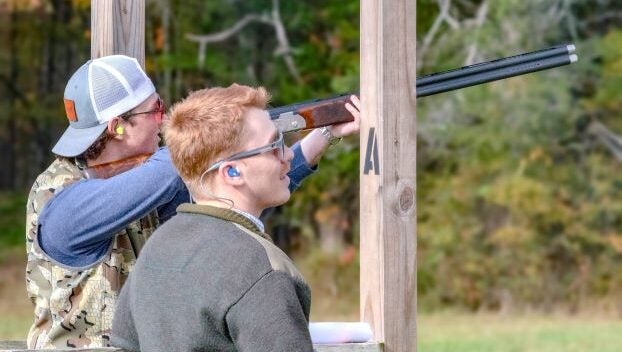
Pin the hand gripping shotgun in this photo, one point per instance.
(323, 112)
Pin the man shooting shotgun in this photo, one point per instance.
(323, 112)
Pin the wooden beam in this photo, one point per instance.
(388, 168)
(20, 346)
(118, 27)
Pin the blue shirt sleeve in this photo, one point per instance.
(169, 209)
(77, 225)
(299, 168)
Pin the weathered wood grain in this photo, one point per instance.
(388, 168)
(118, 27)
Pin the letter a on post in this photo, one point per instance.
(371, 155)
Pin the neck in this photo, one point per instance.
(114, 167)
(222, 195)
(228, 203)
(253, 218)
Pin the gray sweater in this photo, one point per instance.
(208, 280)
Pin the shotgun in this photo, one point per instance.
(323, 112)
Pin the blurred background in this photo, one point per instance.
(519, 195)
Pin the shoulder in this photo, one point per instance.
(277, 259)
(61, 173)
(207, 241)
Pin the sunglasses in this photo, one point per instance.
(160, 109)
(278, 146)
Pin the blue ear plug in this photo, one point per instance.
(233, 172)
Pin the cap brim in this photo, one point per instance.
(76, 141)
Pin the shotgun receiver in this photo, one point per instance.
(323, 112)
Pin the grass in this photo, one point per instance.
(442, 332)
(14, 328)
(15, 308)
(334, 280)
(437, 332)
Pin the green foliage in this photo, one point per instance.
(518, 203)
(604, 101)
(323, 37)
(332, 280)
(12, 220)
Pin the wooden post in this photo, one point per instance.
(118, 27)
(388, 160)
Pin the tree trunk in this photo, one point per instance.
(10, 165)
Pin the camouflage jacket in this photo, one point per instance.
(74, 307)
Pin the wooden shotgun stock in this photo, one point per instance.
(324, 112)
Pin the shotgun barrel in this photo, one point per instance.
(495, 74)
(324, 112)
(559, 50)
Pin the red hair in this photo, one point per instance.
(207, 125)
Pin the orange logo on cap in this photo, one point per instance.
(70, 110)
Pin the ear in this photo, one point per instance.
(116, 128)
(230, 174)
